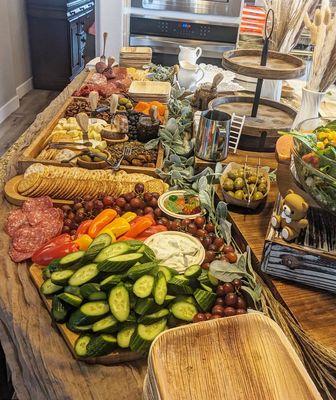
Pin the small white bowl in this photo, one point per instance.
(161, 205)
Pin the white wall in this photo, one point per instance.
(15, 71)
(110, 18)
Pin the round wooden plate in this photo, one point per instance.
(259, 133)
(279, 66)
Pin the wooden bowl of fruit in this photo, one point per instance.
(94, 160)
(245, 186)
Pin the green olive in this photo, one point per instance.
(252, 179)
(86, 158)
(252, 188)
(257, 196)
(239, 194)
(262, 188)
(231, 193)
(228, 184)
(233, 175)
(241, 173)
(123, 101)
(121, 108)
(239, 183)
(263, 180)
(129, 106)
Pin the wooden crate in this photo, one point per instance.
(70, 337)
(30, 154)
(311, 258)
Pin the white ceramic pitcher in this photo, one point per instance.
(189, 75)
(189, 54)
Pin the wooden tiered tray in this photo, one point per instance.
(71, 337)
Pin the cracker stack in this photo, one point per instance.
(136, 57)
(150, 91)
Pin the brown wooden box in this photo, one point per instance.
(30, 154)
(311, 258)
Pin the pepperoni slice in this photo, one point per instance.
(15, 220)
(28, 239)
(37, 204)
(18, 256)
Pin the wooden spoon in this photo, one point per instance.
(83, 121)
(217, 79)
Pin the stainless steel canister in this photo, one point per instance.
(212, 139)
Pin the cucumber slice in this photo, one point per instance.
(88, 289)
(108, 324)
(82, 328)
(148, 254)
(168, 299)
(84, 275)
(78, 320)
(81, 345)
(134, 245)
(110, 282)
(101, 345)
(48, 288)
(151, 318)
(204, 278)
(146, 306)
(137, 271)
(166, 272)
(119, 263)
(160, 288)
(58, 310)
(124, 336)
(145, 334)
(207, 288)
(143, 286)
(70, 299)
(71, 259)
(194, 271)
(119, 302)
(97, 296)
(179, 285)
(46, 274)
(98, 244)
(131, 320)
(113, 250)
(73, 290)
(61, 277)
(213, 280)
(95, 309)
(205, 299)
(184, 311)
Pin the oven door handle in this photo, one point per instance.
(166, 45)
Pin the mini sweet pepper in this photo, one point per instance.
(101, 220)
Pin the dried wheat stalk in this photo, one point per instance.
(323, 35)
(289, 21)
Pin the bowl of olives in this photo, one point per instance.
(244, 186)
(94, 160)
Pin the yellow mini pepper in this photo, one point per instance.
(84, 242)
(118, 227)
(129, 216)
(109, 232)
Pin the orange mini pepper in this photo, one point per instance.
(141, 225)
(101, 220)
(84, 242)
(83, 228)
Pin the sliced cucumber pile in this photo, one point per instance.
(117, 295)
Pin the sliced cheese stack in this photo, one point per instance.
(150, 91)
(136, 57)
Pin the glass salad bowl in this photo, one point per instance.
(319, 185)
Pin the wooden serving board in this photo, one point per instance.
(247, 357)
(259, 133)
(70, 337)
(14, 197)
(279, 66)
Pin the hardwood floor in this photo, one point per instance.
(30, 105)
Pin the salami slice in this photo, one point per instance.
(98, 79)
(28, 239)
(18, 256)
(37, 203)
(15, 220)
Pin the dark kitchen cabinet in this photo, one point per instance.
(57, 35)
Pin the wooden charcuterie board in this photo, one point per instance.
(70, 337)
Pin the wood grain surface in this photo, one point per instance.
(247, 357)
(71, 337)
(279, 65)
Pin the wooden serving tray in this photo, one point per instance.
(279, 66)
(241, 357)
(14, 197)
(30, 154)
(71, 337)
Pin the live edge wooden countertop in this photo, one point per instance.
(313, 309)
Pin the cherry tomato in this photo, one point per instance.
(199, 221)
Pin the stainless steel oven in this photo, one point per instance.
(163, 25)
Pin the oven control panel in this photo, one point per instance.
(183, 29)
